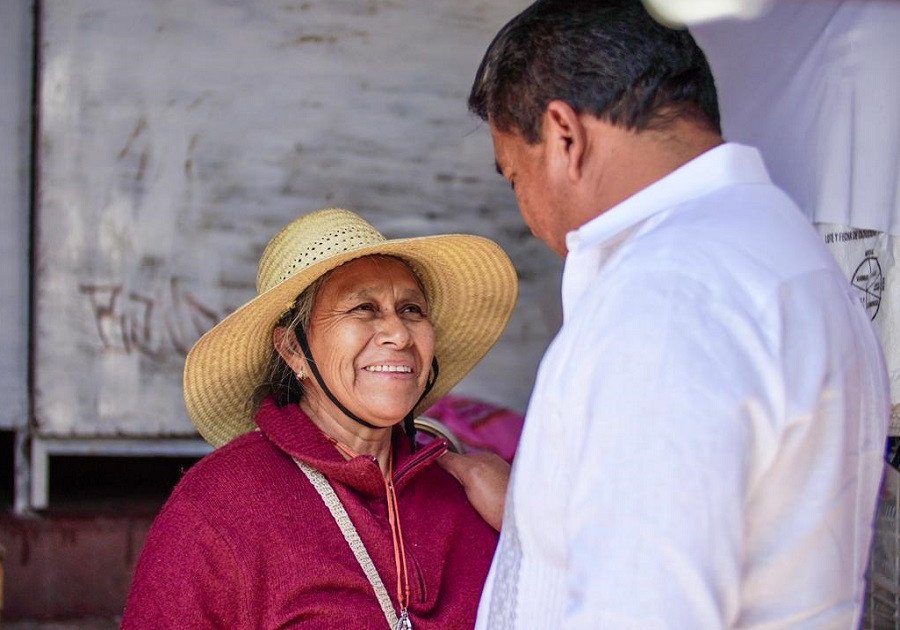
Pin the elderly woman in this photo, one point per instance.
(317, 508)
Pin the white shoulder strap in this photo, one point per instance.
(333, 503)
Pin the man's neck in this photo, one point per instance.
(628, 161)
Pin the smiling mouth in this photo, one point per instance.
(402, 369)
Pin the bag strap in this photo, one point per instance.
(334, 505)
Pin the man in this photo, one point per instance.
(703, 446)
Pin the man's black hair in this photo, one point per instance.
(609, 58)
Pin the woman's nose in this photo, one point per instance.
(393, 330)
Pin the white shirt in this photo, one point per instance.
(703, 446)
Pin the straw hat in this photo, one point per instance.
(469, 280)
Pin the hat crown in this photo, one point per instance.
(309, 239)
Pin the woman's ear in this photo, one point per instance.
(286, 345)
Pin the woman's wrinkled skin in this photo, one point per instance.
(373, 344)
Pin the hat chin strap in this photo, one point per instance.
(408, 421)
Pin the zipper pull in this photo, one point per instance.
(403, 623)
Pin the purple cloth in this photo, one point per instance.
(480, 425)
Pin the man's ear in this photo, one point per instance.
(287, 346)
(565, 138)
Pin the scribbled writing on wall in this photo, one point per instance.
(165, 321)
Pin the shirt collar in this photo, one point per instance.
(590, 245)
(725, 165)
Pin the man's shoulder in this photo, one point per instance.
(738, 239)
(727, 255)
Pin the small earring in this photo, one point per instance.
(301, 374)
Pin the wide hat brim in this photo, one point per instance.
(471, 287)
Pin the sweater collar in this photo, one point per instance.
(292, 431)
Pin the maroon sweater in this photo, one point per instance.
(245, 541)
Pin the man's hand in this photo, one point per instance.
(484, 477)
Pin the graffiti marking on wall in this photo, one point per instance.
(164, 322)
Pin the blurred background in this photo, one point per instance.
(148, 151)
(150, 148)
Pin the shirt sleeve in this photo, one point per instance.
(186, 576)
(675, 388)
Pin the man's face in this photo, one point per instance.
(525, 167)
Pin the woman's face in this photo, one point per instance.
(371, 338)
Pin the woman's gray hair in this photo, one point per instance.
(279, 380)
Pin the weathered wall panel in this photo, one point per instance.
(177, 136)
(16, 26)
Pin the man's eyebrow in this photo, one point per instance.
(497, 166)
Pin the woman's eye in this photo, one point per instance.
(414, 309)
(365, 307)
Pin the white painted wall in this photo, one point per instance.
(15, 120)
(177, 137)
